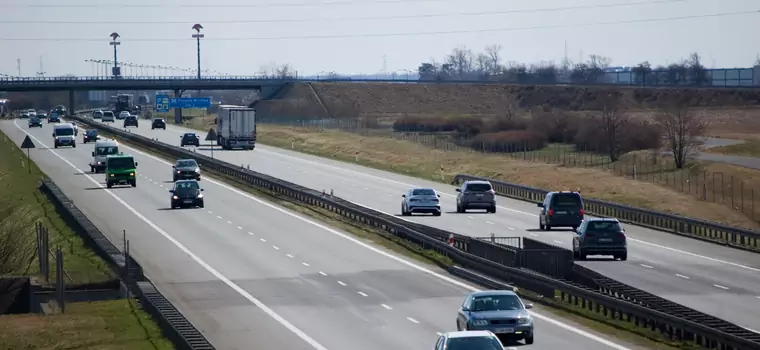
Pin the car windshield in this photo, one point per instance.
(110, 114)
(131, 117)
(567, 200)
(478, 187)
(98, 113)
(64, 132)
(186, 186)
(604, 226)
(496, 302)
(473, 343)
(107, 150)
(190, 136)
(121, 163)
(40, 116)
(423, 192)
(91, 132)
(187, 164)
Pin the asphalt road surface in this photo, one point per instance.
(721, 281)
(250, 274)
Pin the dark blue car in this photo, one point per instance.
(54, 118)
(500, 311)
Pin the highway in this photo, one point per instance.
(721, 281)
(251, 274)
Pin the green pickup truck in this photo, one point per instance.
(121, 170)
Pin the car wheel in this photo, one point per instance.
(624, 256)
(201, 206)
(403, 211)
(92, 169)
(492, 209)
(529, 340)
(437, 213)
(548, 228)
(575, 228)
(74, 145)
(56, 145)
(581, 255)
(541, 226)
(109, 184)
(133, 183)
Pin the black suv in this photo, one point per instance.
(186, 169)
(186, 194)
(476, 194)
(561, 209)
(158, 123)
(600, 236)
(130, 120)
(189, 138)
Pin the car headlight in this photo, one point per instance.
(131, 174)
(479, 322)
(178, 171)
(200, 196)
(175, 197)
(523, 320)
(197, 170)
(111, 175)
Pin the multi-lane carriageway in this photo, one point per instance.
(717, 280)
(250, 274)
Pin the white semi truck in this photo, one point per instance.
(236, 127)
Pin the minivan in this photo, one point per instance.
(561, 209)
(63, 135)
(476, 194)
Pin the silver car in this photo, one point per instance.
(421, 200)
(97, 114)
(476, 194)
(466, 340)
(501, 312)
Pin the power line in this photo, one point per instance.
(338, 36)
(179, 5)
(290, 20)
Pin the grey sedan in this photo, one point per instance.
(421, 200)
(499, 311)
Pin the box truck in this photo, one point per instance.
(236, 127)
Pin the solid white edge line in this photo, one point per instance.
(450, 280)
(508, 209)
(201, 262)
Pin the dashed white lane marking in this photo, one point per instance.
(240, 227)
(276, 247)
(324, 274)
(721, 287)
(512, 229)
(210, 212)
(341, 283)
(390, 308)
(556, 241)
(229, 222)
(218, 217)
(305, 264)
(289, 255)
(250, 233)
(686, 277)
(646, 266)
(263, 240)
(412, 320)
(534, 235)
(438, 334)
(488, 222)
(362, 294)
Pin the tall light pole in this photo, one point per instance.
(197, 28)
(115, 43)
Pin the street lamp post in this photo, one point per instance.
(115, 43)
(197, 28)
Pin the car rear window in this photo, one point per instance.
(423, 192)
(467, 343)
(567, 200)
(478, 187)
(604, 226)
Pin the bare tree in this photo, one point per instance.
(683, 129)
(757, 60)
(460, 59)
(494, 54)
(612, 121)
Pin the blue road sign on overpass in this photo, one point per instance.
(194, 102)
(162, 103)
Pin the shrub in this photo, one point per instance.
(467, 126)
(558, 126)
(509, 141)
(637, 135)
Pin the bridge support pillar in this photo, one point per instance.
(72, 98)
(178, 111)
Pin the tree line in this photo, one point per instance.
(464, 64)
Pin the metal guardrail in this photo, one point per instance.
(173, 324)
(462, 251)
(688, 227)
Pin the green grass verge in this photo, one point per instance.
(597, 322)
(21, 206)
(750, 148)
(101, 325)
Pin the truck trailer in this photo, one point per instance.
(236, 127)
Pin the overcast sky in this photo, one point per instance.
(352, 43)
